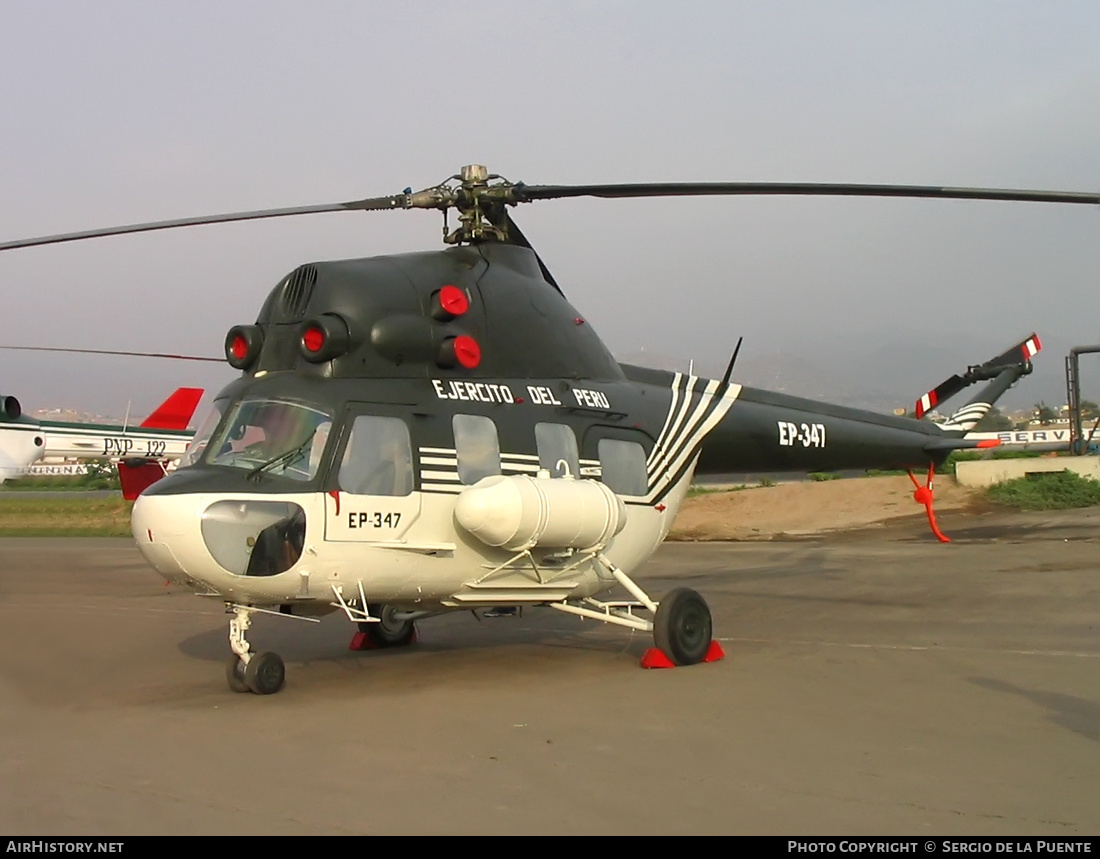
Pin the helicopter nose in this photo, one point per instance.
(208, 538)
(162, 526)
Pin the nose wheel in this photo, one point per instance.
(234, 673)
(261, 673)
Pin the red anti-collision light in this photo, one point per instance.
(324, 338)
(467, 351)
(242, 346)
(313, 339)
(453, 300)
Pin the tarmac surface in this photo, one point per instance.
(876, 682)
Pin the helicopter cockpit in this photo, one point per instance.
(263, 436)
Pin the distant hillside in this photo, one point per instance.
(879, 377)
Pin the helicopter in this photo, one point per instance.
(441, 431)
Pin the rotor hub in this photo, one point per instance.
(478, 199)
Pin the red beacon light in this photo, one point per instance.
(461, 351)
(324, 337)
(449, 302)
(313, 339)
(242, 346)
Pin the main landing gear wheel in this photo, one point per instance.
(682, 627)
(265, 673)
(234, 673)
(388, 631)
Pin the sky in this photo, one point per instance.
(123, 112)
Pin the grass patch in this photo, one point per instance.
(76, 516)
(1055, 490)
(696, 491)
(101, 475)
(819, 476)
(948, 466)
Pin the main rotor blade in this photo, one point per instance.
(524, 193)
(398, 201)
(113, 352)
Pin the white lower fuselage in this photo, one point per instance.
(408, 551)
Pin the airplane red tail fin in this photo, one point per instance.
(175, 412)
(1019, 355)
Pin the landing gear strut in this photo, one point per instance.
(262, 673)
(681, 625)
(392, 629)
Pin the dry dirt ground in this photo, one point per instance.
(876, 682)
(810, 507)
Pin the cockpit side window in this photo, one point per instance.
(378, 457)
(197, 447)
(477, 447)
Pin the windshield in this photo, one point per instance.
(197, 446)
(280, 438)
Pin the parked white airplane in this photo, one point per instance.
(160, 439)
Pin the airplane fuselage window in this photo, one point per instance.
(623, 466)
(477, 447)
(557, 447)
(378, 457)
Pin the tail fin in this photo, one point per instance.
(1005, 369)
(175, 412)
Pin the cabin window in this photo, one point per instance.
(623, 465)
(557, 447)
(477, 447)
(378, 457)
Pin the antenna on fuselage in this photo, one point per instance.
(733, 360)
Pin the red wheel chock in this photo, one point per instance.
(361, 641)
(714, 652)
(654, 658)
